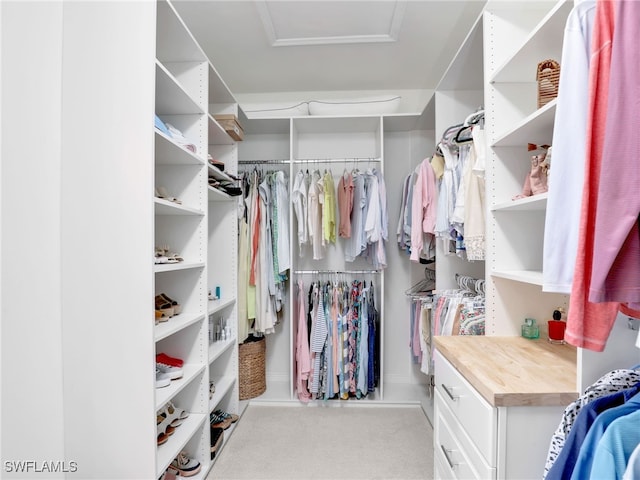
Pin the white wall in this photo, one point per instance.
(32, 402)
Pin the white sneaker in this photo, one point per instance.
(162, 379)
(171, 371)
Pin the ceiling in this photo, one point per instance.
(279, 51)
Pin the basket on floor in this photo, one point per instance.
(252, 376)
(548, 77)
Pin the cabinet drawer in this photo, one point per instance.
(454, 447)
(476, 416)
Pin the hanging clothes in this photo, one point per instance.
(264, 251)
(343, 341)
(345, 203)
(569, 141)
(610, 383)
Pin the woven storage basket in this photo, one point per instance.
(252, 369)
(548, 77)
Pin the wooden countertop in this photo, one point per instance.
(514, 371)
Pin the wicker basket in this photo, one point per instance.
(548, 77)
(252, 369)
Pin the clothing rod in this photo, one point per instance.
(317, 272)
(337, 160)
(260, 162)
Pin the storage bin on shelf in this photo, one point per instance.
(548, 78)
(252, 374)
(231, 125)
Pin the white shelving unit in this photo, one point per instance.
(516, 227)
(222, 257)
(181, 99)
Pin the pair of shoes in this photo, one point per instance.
(167, 306)
(217, 437)
(161, 192)
(174, 415)
(167, 360)
(184, 466)
(216, 163)
(171, 371)
(164, 255)
(162, 379)
(226, 186)
(222, 419)
(163, 429)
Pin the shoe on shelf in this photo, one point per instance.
(173, 414)
(167, 360)
(184, 466)
(173, 372)
(219, 421)
(177, 308)
(161, 317)
(217, 437)
(164, 307)
(162, 379)
(163, 429)
(164, 255)
(168, 475)
(231, 416)
(216, 163)
(161, 192)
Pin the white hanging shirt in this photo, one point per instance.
(566, 178)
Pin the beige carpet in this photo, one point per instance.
(324, 443)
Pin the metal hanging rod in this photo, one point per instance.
(317, 272)
(337, 160)
(309, 160)
(260, 162)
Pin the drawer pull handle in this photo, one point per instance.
(446, 455)
(448, 392)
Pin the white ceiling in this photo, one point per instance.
(263, 47)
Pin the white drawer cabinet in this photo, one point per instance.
(474, 439)
(458, 454)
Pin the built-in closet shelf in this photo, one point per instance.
(174, 41)
(219, 174)
(528, 204)
(543, 43)
(217, 134)
(166, 207)
(537, 128)
(172, 267)
(215, 306)
(223, 385)
(216, 195)
(175, 324)
(170, 153)
(218, 90)
(525, 276)
(171, 97)
(190, 372)
(218, 348)
(181, 435)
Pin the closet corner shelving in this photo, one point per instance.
(222, 255)
(516, 227)
(201, 229)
